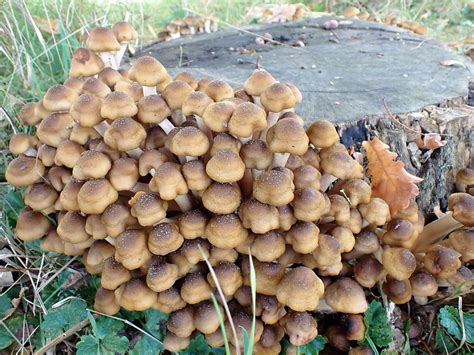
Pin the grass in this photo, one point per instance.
(31, 60)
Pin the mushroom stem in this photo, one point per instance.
(110, 240)
(149, 90)
(177, 117)
(166, 125)
(421, 300)
(135, 153)
(323, 307)
(101, 127)
(109, 59)
(183, 202)
(271, 120)
(203, 127)
(326, 181)
(435, 231)
(30, 152)
(140, 186)
(280, 159)
(189, 158)
(120, 53)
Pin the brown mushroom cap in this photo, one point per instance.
(161, 276)
(151, 159)
(118, 105)
(219, 90)
(224, 141)
(124, 174)
(187, 77)
(225, 166)
(176, 93)
(55, 128)
(346, 296)
(168, 181)
(21, 142)
(301, 327)
(277, 97)
(31, 225)
(399, 291)
(147, 71)
(40, 112)
(206, 319)
(82, 135)
(96, 87)
(192, 224)
(399, 263)
(303, 237)
(268, 247)
(274, 187)
(67, 153)
(442, 261)
(52, 243)
(95, 256)
(116, 218)
(225, 231)
(148, 208)
(85, 63)
(95, 195)
(102, 39)
(247, 119)
(181, 322)
(59, 98)
(368, 271)
(106, 302)
(196, 103)
(124, 32)
(327, 252)
(229, 277)
(217, 115)
(194, 171)
(95, 228)
(462, 241)
(86, 110)
(91, 165)
(169, 301)
(258, 81)
(300, 289)
(423, 284)
(27, 114)
(464, 179)
(188, 141)
(267, 275)
(110, 76)
(40, 197)
(173, 343)
(135, 295)
(222, 198)
(376, 212)
(256, 155)
(400, 233)
(124, 134)
(24, 171)
(462, 206)
(309, 204)
(72, 228)
(134, 90)
(306, 176)
(131, 249)
(68, 195)
(243, 321)
(287, 136)
(195, 288)
(322, 134)
(164, 238)
(259, 217)
(46, 155)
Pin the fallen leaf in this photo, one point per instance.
(390, 181)
(452, 63)
(430, 141)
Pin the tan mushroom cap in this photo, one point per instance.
(124, 174)
(86, 110)
(225, 166)
(303, 237)
(219, 90)
(116, 218)
(124, 134)
(268, 247)
(309, 204)
(173, 343)
(398, 291)
(357, 191)
(206, 319)
(168, 181)
(40, 197)
(399, 263)
(286, 217)
(96, 255)
(95, 195)
(195, 288)
(351, 11)
(27, 114)
(46, 155)
(247, 119)
(301, 327)
(268, 275)
(195, 250)
(164, 238)
(68, 195)
(259, 217)
(24, 171)
(340, 164)
(442, 261)
(188, 141)
(322, 134)
(52, 243)
(91, 165)
(400, 233)
(132, 89)
(150, 159)
(277, 97)
(346, 296)
(161, 276)
(21, 142)
(59, 98)
(85, 63)
(340, 208)
(181, 322)
(368, 271)
(55, 128)
(156, 137)
(135, 295)
(376, 212)
(287, 136)
(225, 141)
(188, 78)
(176, 93)
(72, 228)
(31, 225)
(131, 249)
(243, 321)
(95, 228)
(194, 171)
(40, 111)
(74, 84)
(114, 274)
(102, 39)
(423, 284)
(222, 198)
(147, 71)
(106, 302)
(169, 301)
(462, 206)
(225, 231)
(462, 241)
(196, 103)
(118, 105)
(109, 76)
(229, 277)
(258, 82)
(192, 224)
(216, 116)
(148, 208)
(83, 135)
(306, 176)
(96, 87)
(256, 155)
(152, 109)
(220, 255)
(124, 32)
(274, 187)
(270, 310)
(300, 289)
(464, 179)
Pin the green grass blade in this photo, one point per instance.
(221, 324)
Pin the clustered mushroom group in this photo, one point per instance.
(188, 25)
(168, 185)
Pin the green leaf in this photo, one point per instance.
(314, 346)
(5, 304)
(12, 205)
(112, 344)
(15, 326)
(444, 343)
(198, 346)
(107, 326)
(87, 345)
(450, 320)
(377, 327)
(60, 319)
(154, 324)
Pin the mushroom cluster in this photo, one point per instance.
(188, 25)
(168, 187)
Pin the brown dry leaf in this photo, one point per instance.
(44, 25)
(390, 180)
(430, 141)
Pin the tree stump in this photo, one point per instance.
(353, 76)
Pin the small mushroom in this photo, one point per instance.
(346, 296)
(31, 225)
(301, 327)
(134, 295)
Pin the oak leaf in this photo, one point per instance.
(390, 181)
(430, 141)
